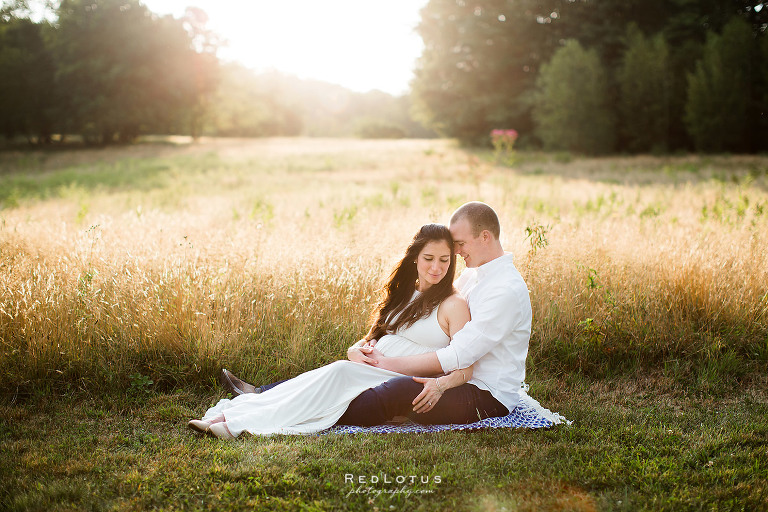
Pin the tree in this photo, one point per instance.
(720, 91)
(602, 25)
(481, 58)
(686, 29)
(644, 80)
(201, 68)
(479, 63)
(26, 80)
(761, 135)
(123, 71)
(571, 109)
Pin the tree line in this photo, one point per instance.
(108, 71)
(597, 76)
(590, 76)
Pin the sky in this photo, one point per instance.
(359, 44)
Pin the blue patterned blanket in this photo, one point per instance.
(528, 414)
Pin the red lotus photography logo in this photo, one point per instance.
(390, 485)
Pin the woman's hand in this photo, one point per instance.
(435, 387)
(362, 354)
(429, 396)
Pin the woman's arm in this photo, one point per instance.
(455, 313)
(452, 315)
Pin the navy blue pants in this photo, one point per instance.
(463, 404)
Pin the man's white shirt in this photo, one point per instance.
(496, 338)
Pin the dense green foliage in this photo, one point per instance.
(106, 70)
(669, 75)
(474, 74)
(26, 79)
(644, 81)
(572, 110)
(481, 59)
(717, 112)
(122, 71)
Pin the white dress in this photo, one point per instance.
(315, 400)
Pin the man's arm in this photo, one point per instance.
(454, 312)
(434, 388)
(494, 317)
(420, 365)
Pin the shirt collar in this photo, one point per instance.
(493, 265)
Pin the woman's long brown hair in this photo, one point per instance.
(395, 309)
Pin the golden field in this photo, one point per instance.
(167, 260)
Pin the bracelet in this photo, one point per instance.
(463, 375)
(437, 382)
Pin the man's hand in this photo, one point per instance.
(362, 354)
(428, 397)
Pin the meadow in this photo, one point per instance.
(129, 276)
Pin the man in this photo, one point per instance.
(494, 342)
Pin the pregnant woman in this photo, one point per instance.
(419, 313)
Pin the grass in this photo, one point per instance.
(630, 448)
(129, 276)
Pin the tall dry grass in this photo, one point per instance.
(265, 256)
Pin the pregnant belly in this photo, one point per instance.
(393, 345)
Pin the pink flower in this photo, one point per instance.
(503, 144)
(503, 135)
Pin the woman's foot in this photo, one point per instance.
(203, 426)
(217, 419)
(199, 426)
(220, 430)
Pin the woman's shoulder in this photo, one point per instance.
(454, 304)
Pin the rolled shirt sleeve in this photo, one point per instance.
(492, 318)
(496, 338)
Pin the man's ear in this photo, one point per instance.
(486, 235)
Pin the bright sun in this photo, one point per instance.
(359, 44)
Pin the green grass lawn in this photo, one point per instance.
(631, 446)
